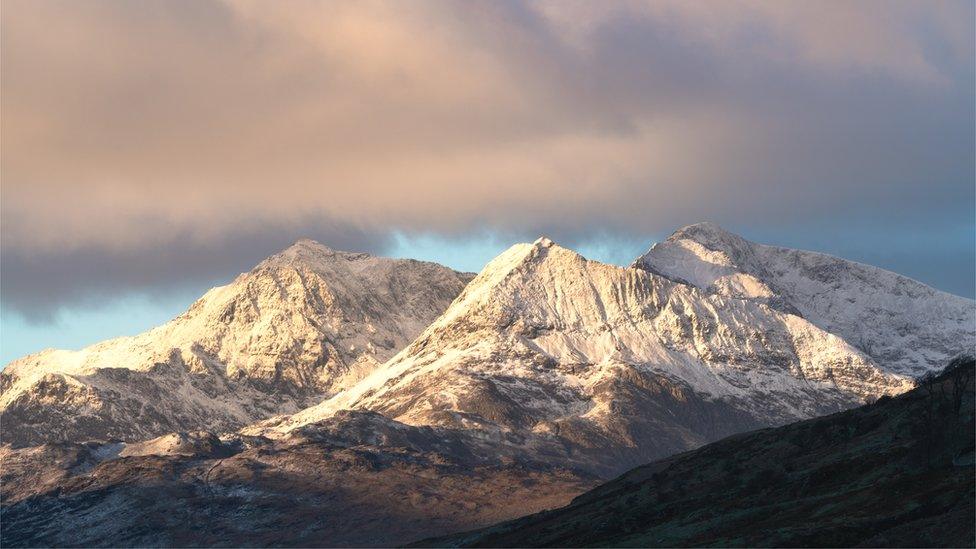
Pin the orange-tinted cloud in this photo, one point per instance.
(128, 125)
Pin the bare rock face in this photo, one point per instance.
(905, 326)
(303, 325)
(619, 365)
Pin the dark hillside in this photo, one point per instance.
(898, 472)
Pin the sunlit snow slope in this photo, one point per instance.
(616, 361)
(904, 325)
(301, 326)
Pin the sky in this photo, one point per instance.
(150, 150)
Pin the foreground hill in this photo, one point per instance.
(895, 473)
(617, 365)
(302, 325)
(357, 479)
(904, 325)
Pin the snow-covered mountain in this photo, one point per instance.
(546, 371)
(904, 325)
(302, 325)
(618, 363)
(704, 336)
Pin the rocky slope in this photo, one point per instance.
(356, 480)
(617, 365)
(303, 325)
(904, 325)
(898, 473)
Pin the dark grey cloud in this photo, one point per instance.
(138, 132)
(38, 284)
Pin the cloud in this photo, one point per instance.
(179, 125)
(38, 285)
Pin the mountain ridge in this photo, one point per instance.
(906, 326)
(548, 343)
(301, 325)
(544, 373)
(543, 341)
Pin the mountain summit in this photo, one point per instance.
(619, 363)
(904, 325)
(302, 325)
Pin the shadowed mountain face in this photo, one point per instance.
(895, 473)
(358, 479)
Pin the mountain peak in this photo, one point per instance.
(525, 254)
(309, 252)
(547, 342)
(877, 310)
(306, 245)
(543, 242)
(303, 324)
(705, 233)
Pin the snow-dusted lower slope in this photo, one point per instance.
(301, 326)
(904, 325)
(621, 363)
